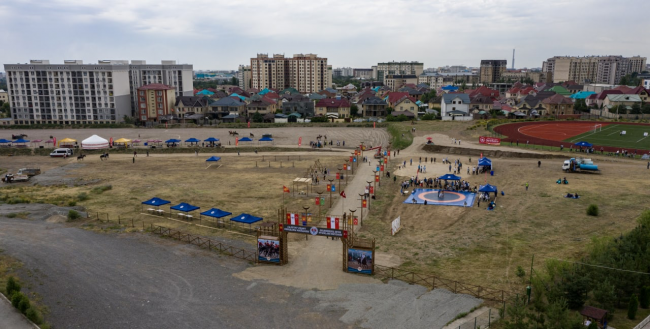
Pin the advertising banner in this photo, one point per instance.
(268, 250)
(315, 231)
(395, 226)
(360, 261)
(489, 140)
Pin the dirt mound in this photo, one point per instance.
(489, 153)
(56, 219)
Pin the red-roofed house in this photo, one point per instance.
(642, 92)
(262, 105)
(485, 91)
(333, 108)
(155, 100)
(395, 96)
(406, 103)
(601, 96)
(557, 105)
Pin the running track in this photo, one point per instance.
(552, 133)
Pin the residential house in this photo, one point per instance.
(155, 101)
(642, 92)
(333, 108)
(412, 92)
(190, 105)
(395, 96)
(304, 107)
(481, 103)
(328, 93)
(260, 104)
(406, 103)
(373, 107)
(454, 105)
(485, 91)
(614, 100)
(602, 96)
(434, 103)
(219, 94)
(530, 106)
(575, 88)
(557, 105)
(396, 81)
(227, 106)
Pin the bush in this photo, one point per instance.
(101, 189)
(83, 196)
(72, 203)
(632, 307)
(12, 215)
(428, 117)
(12, 287)
(34, 316)
(24, 304)
(644, 297)
(16, 298)
(592, 210)
(73, 215)
(520, 272)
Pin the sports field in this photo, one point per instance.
(611, 135)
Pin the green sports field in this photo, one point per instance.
(610, 135)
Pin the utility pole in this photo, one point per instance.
(320, 203)
(340, 169)
(368, 202)
(374, 179)
(306, 209)
(361, 196)
(330, 180)
(351, 233)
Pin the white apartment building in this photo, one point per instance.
(78, 93)
(591, 69)
(244, 77)
(307, 73)
(398, 68)
(68, 93)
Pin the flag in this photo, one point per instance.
(333, 187)
(377, 168)
(322, 200)
(376, 178)
(333, 223)
(374, 125)
(381, 168)
(236, 141)
(249, 124)
(351, 159)
(293, 219)
(285, 189)
(317, 201)
(385, 160)
(338, 176)
(299, 141)
(343, 194)
(345, 167)
(329, 187)
(364, 203)
(372, 190)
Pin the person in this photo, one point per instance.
(425, 202)
(648, 165)
(394, 179)
(569, 195)
(539, 163)
(526, 186)
(559, 181)
(411, 162)
(147, 152)
(133, 159)
(576, 195)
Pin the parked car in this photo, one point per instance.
(61, 153)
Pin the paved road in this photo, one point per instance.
(11, 318)
(91, 280)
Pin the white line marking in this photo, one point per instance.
(571, 141)
(642, 139)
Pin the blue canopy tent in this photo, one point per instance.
(193, 140)
(215, 213)
(156, 202)
(583, 144)
(213, 159)
(485, 162)
(184, 207)
(211, 140)
(245, 139)
(266, 139)
(172, 141)
(488, 189)
(449, 177)
(5, 141)
(245, 219)
(21, 141)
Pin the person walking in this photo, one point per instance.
(648, 165)
(539, 163)
(147, 153)
(133, 159)
(135, 154)
(526, 186)
(411, 162)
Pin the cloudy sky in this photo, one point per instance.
(216, 34)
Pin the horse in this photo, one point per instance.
(103, 156)
(251, 135)
(319, 137)
(81, 157)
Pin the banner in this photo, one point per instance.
(381, 168)
(372, 190)
(317, 201)
(364, 203)
(345, 167)
(489, 140)
(314, 231)
(236, 141)
(385, 160)
(293, 219)
(376, 178)
(338, 176)
(329, 187)
(395, 226)
(351, 159)
(333, 223)
(299, 141)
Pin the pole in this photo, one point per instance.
(361, 210)
(530, 281)
(330, 180)
(319, 205)
(368, 199)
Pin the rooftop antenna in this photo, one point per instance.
(513, 59)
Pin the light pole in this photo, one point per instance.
(306, 209)
(331, 180)
(361, 151)
(368, 202)
(339, 172)
(320, 203)
(361, 196)
(352, 221)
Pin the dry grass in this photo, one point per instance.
(485, 247)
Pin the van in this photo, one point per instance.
(61, 153)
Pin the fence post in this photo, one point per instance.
(489, 317)
(209, 246)
(119, 220)
(132, 225)
(392, 270)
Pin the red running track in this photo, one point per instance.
(551, 133)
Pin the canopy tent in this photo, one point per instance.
(266, 139)
(583, 144)
(156, 202)
(192, 140)
(488, 189)
(245, 139)
(173, 140)
(36, 140)
(21, 141)
(245, 219)
(67, 141)
(485, 162)
(4, 141)
(136, 141)
(518, 114)
(184, 207)
(122, 141)
(215, 213)
(94, 142)
(213, 158)
(449, 177)
(211, 140)
(49, 141)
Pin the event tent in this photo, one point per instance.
(213, 158)
(211, 139)
(192, 140)
(583, 144)
(266, 139)
(173, 140)
(21, 141)
(67, 141)
(94, 142)
(122, 141)
(184, 207)
(488, 188)
(4, 141)
(245, 139)
(215, 213)
(245, 219)
(485, 162)
(449, 177)
(156, 202)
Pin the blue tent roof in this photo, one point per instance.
(246, 219)
(487, 188)
(583, 143)
(205, 92)
(186, 207)
(213, 158)
(237, 95)
(192, 140)
(3, 141)
(265, 139)
(484, 162)
(173, 140)
(156, 202)
(449, 88)
(449, 177)
(216, 213)
(245, 139)
(264, 91)
(212, 139)
(21, 141)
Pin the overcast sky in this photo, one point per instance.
(216, 34)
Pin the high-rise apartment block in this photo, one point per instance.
(78, 93)
(154, 101)
(244, 77)
(307, 73)
(591, 69)
(396, 68)
(491, 70)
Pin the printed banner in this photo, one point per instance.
(395, 226)
(315, 231)
(293, 219)
(489, 140)
(360, 261)
(333, 223)
(299, 141)
(268, 250)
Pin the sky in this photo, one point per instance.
(216, 34)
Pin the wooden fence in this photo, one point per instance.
(434, 282)
(205, 243)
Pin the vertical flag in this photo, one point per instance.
(377, 168)
(293, 219)
(333, 223)
(364, 203)
(385, 160)
(381, 168)
(333, 188)
(376, 178)
(374, 125)
(351, 159)
(236, 141)
(317, 201)
(322, 200)
(345, 167)
(338, 176)
(285, 189)
(372, 190)
(299, 141)
(329, 187)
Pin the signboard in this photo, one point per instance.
(376, 178)
(329, 187)
(268, 249)
(360, 261)
(395, 226)
(489, 140)
(351, 159)
(385, 160)
(315, 231)
(372, 190)
(338, 176)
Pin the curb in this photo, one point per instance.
(23, 315)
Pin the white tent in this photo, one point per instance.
(94, 142)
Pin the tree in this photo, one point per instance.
(463, 86)
(644, 297)
(389, 110)
(319, 119)
(354, 110)
(426, 97)
(235, 82)
(632, 307)
(605, 295)
(517, 314)
(636, 109)
(257, 117)
(12, 287)
(580, 106)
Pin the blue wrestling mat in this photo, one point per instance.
(451, 198)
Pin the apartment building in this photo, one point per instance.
(438, 80)
(396, 68)
(307, 73)
(68, 93)
(395, 82)
(591, 69)
(179, 76)
(244, 76)
(491, 70)
(155, 101)
(362, 73)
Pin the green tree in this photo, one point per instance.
(258, 117)
(319, 119)
(463, 86)
(632, 307)
(580, 106)
(235, 82)
(354, 110)
(516, 312)
(644, 297)
(624, 81)
(426, 97)
(389, 110)
(636, 109)
(12, 287)
(605, 295)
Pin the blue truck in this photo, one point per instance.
(578, 165)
